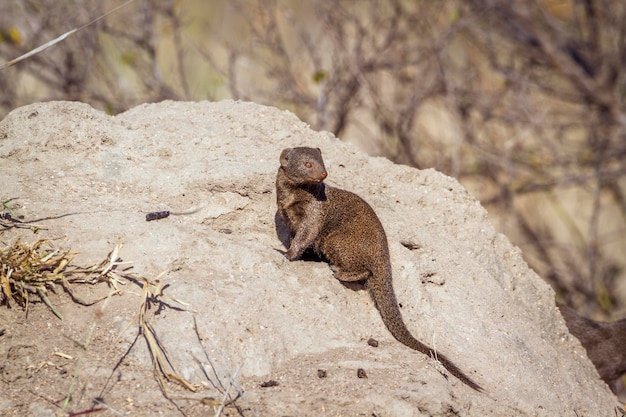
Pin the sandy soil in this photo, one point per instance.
(285, 335)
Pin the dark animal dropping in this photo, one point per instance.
(156, 215)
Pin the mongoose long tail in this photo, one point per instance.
(390, 312)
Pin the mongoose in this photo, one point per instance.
(605, 343)
(343, 228)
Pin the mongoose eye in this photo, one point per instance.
(308, 164)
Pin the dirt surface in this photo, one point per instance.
(286, 335)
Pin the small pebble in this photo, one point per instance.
(372, 342)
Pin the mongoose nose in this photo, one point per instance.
(323, 175)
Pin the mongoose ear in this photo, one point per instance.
(319, 150)
(284, 156)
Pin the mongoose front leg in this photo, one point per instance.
(297, 246)
(306, 234)
(304, 238)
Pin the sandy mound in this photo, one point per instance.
(463, 288)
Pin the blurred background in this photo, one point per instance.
(522, 102)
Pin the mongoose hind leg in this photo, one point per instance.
(347, 276)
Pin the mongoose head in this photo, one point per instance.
(303, 165)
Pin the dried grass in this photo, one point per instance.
(164, 368)
(27, 271)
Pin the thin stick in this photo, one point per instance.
(60, 38)
(232, 381)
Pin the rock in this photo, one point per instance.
(464, 289)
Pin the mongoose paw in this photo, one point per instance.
(291, 255)
(282, 252)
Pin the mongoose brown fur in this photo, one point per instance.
(605, 343)
(343, 228)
